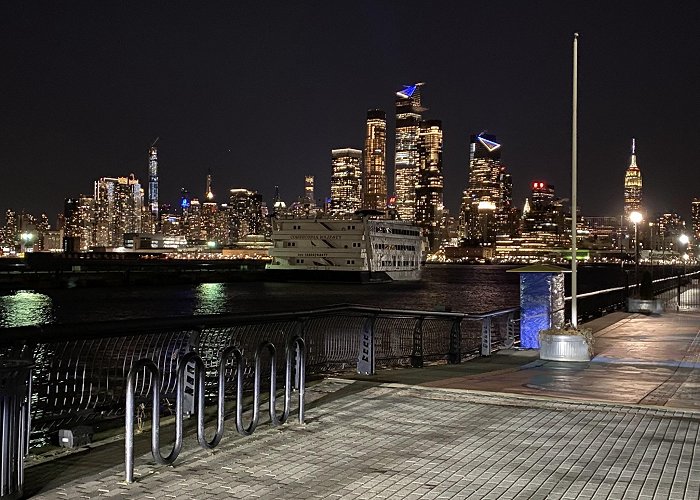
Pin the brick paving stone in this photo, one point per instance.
(393, 441)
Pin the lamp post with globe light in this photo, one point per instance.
(636, 218)
(684, 240)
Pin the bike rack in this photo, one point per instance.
(295, 344)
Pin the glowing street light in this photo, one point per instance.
(27, 240)
(636, 218)
(684, 240)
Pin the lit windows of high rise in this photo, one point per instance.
(374, 188)
(246, 213)
(346, 195)
(408, 118)
(487, 197)
(118, 209)
(695, 217)
(429, 205)
(153, 206)
(633, 185)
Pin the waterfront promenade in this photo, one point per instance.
(625, 425)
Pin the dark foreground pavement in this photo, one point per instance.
(553, 436)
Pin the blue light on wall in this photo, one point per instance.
(185, 203)
(535, 306)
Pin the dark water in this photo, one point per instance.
(459, 288)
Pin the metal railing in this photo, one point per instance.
(674, 291)
(81, 371)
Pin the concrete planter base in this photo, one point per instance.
(645, 306)
(564, 348)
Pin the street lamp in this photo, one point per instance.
(684, 240)
(636, 218)
(26, 240)
(651, 251)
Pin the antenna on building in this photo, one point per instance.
(209, 194)
(634, 145)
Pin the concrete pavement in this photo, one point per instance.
(626, 425)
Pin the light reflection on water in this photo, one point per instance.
(25, 308)
(210, 298)
(456, 288)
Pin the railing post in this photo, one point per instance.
(365, 361)
(678, 294)
(455, 356)
(299, 356)
(417, 353)
(510, 331)
(486, 337)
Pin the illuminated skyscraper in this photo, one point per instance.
(408, 117)
(345, 181)
(10, 232)
(487, 193)
(209, 194)
(153, 206)
(246, 213)
(545, 223)
(429, 205)
(309, 190)
(695, 216)
(118, 209)
(633, 185)
(374, 172)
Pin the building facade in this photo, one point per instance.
(374, 188)
(119, 207)
(489, 191)
(408, 117)
(246, 214)
(346, 193)
(429, 204)
(153, 206)
(633, 185)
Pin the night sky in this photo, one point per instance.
(260, 92)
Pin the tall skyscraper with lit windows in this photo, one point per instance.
(488, 190)
(374, 189)
(408, 117)
(153, 206)
(633, 185)
(246, 213)
(429, 204)
(119, 206)
(695, 217)
(346, 193)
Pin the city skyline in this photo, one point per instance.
(241, 95)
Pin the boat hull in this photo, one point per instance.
(338, 276)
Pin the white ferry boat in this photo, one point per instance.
(355, 248)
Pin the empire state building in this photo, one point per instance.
(633, 185)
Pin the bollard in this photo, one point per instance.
(15, 400)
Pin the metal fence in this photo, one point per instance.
(81, 370)
(680, 292)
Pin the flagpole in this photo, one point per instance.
(574, 313)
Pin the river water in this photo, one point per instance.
(463, 288)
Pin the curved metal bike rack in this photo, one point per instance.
(295, 346)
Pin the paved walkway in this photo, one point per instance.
(381, 440)
(639, 360)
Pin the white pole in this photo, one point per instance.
(574, 313)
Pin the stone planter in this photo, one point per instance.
(563, 347)
(654, 306)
